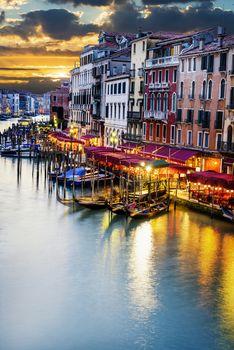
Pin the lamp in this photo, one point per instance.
(114, 139)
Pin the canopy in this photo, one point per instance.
(88, 137)
(129, 145)
(212, 178)
(159, 164)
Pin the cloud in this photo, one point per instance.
(55, 23)
(127, 17)
(94, 3)
(35, 85)
(12, 4)
(173, 2)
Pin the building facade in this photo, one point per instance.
(59, 106)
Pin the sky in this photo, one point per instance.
(40, 40)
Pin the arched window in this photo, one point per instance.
(222, 88)
(152, 99)
(193, 89)
(159, 102)
(173, 102)
(145, 102)
(165, 102)
(204, 89)
(210, 90)
(181, 89)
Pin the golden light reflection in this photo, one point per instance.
(142, 272)
(227, 286)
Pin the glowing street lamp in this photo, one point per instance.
(72, 131)
(114, 139)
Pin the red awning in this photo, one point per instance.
(88, 137)
(228, 161)
(182, 155)
(129, 145)
(212, 178)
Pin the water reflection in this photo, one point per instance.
(70, 275)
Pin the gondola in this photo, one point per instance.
(96, 202)
(116, 207)
(228, 214)
(149, 211)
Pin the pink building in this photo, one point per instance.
(59, 106)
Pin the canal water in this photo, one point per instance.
(81, 280)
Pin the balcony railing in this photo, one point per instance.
(134, 116)
(227, 147)
(202, 97)
(158, 115)
(230, 106)
(162, 61)
(132, 137)
(140, 72)
(132, 73)
(189, 120)
(159, 86)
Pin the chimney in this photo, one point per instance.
(201, 44)
(221, 34)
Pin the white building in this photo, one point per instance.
(117, 96)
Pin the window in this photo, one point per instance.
(206, 140)
(108, 89)
(145, 102)
(124, 87)
(153, 77)
(182, 65)
(222, 88)
(143, 46)
(157, 131)
(218, 140)
(193, 90)
(173, 102)
(119, 109)
(210, 90)
(166, 76)
(111, 110)
(199, 138)
(204, 62)
(210, 63)
(181, 89)
(165, 102)
(151, 131)
(111, 89)
(190, 113)
(134, 48)
(152, 99)
(174, 75)
(115, 89)
(119, 88)
(160, 76)
(179, 115)
(223, 62)
(219, 120)
(194, 64)
(189, 137)
(172, 133)
(114, 110)
(124, 110)
(204, 90)
(189, 64)
(200, 116)
(164, 132)
(159, 102)
(144, 130)
(146, 78)
(179, 136)
(132, 87)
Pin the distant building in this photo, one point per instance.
(59, 107)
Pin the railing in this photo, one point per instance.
(162, 61)
(227, 146)
(158, 86)
(230, 106)
(134, 116)
(132, 137)
(159, 115)
(178, 119)
(140, 72)
(202, 97)
(189, 120)
(132, 73)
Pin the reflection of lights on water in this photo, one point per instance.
(142, 271)
(227, 286)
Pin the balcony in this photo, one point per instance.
(202, 97)
(157, 115)
(178, 119)
(132, 137)
(162, 62)
(132, 73)
(231, 106)
(159, 86)
(140, 72)
(83, 123)
(227, 147)
(189, 120)
(134, 116)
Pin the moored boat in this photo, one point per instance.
(149, 210)
(228, 214)
(116, 207)
(96, 202)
